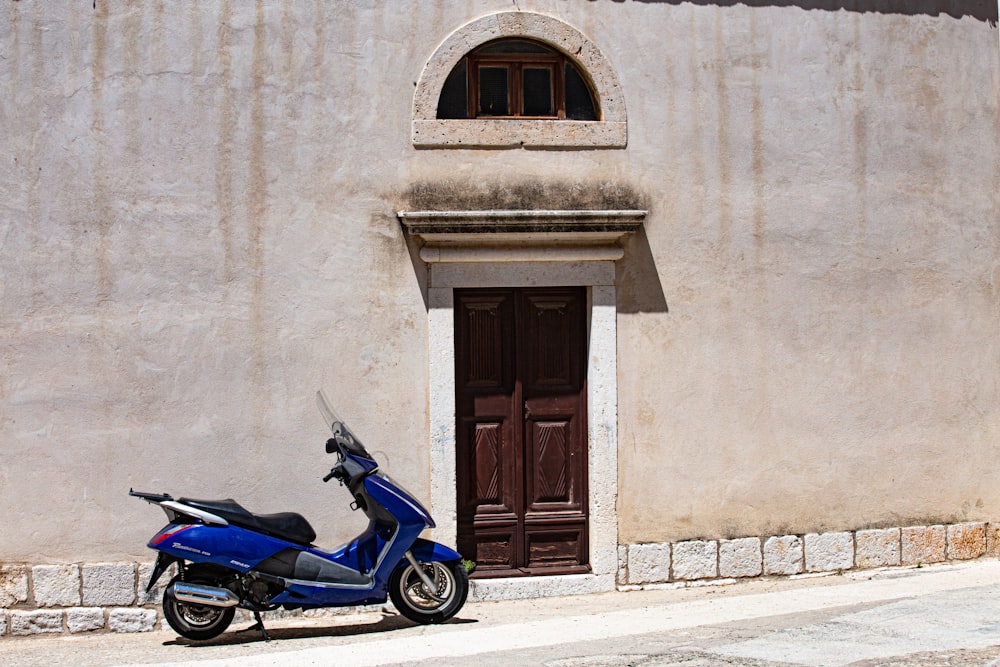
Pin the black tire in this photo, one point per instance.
(195, 621)
(410, 596)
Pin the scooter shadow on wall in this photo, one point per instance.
(332, 627)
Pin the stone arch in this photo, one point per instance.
(610, 131)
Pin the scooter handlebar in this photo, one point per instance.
(337, 472)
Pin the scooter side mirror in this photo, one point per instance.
(331, 446)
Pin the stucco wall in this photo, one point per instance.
(827, 237)
(195, 238)
(197, 230)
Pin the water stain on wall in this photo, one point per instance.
(723, 143)
(224, 161)
(860, 133)
(697, 139)
(256, 219)
(100, 207)
(757, 143)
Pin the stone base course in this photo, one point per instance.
(877, 548)
(107, 584)
(84, 619)
(829, 552)
(13, 585)
(648, 563)
(132, 619)
(112, 597)
(740, 558)
(783, 555)
(691, 561)
(993, 540)
(966, 541)
(75, 598)
(696, 559)
(35, 622)
(154, 596)
(56, 585)
(923, 544)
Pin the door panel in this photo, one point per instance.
(487, 320)
(550, 478)
(494, 547)
(550, 348)
(556, 547)
(489, 474)
(521, 411)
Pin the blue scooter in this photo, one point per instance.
(228, 557)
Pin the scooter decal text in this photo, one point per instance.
(178, 545)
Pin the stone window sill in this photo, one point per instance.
(508, 133)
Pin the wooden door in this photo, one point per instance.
(520, 375)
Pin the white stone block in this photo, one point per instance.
(56, 585)
(3, 623)
(740, 558)
(877, 548)
(829, 552)
(35, 622)
(622, 576)
(132, 619)
(525, 588)
(696, 559)
(648, 563)
(13, 585)
(108, 584)
(84, 619)
(783, 555)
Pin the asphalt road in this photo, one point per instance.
(939, 615)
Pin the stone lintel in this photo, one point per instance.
(524, 221)
(521, 235)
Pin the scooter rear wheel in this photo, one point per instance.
(411, 598)
(197, 622)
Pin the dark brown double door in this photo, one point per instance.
(520, 375)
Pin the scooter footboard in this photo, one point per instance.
(426, 551)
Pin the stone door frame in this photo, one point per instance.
(510, 258)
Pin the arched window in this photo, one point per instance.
(516, 78)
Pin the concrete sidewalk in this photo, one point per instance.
(829, 620)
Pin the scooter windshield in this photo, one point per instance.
(339, 427)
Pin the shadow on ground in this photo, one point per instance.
(252, 635)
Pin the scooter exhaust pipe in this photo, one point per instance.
(206, 595)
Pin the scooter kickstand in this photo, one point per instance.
(259, 625)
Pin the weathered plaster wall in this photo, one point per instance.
(827, 237)
(195, 237)
(197, 230)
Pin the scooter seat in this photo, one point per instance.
(286, 525)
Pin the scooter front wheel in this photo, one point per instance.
(411, 596)
(196, 621)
